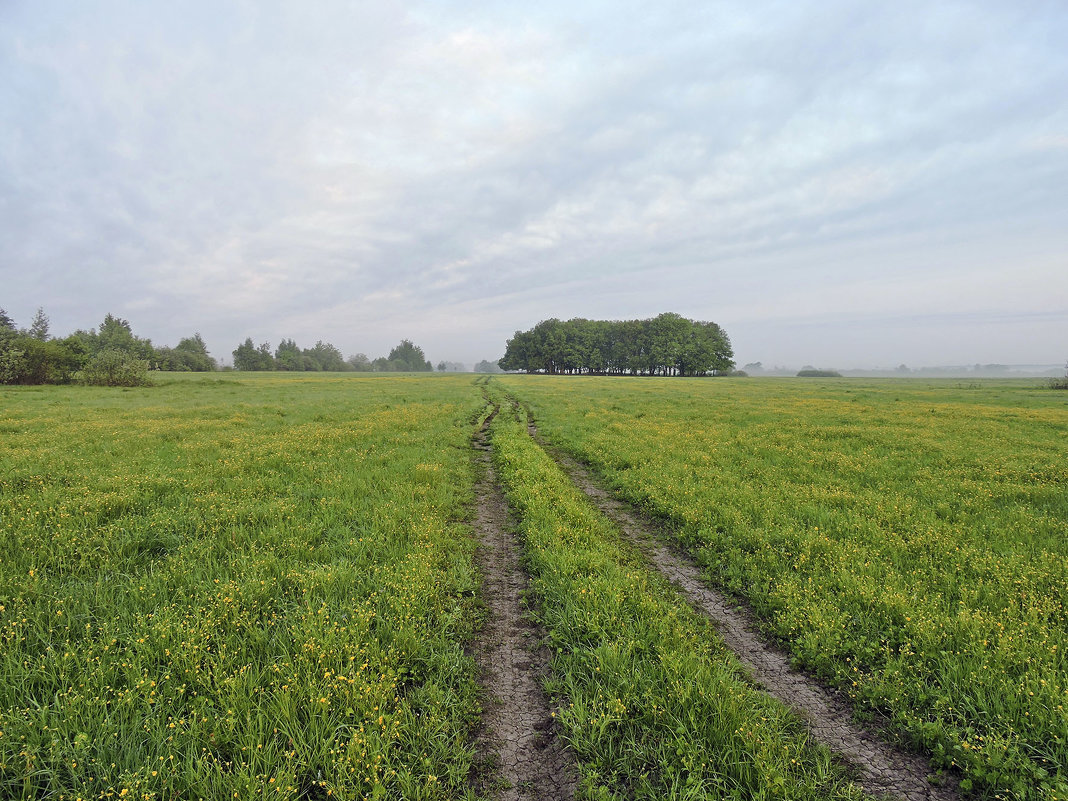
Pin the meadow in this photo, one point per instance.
(652, 702)
(904, 539)
(237, 587)
(262, 585)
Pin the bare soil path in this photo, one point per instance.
(519, 732)
(882, 769)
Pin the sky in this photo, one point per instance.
(836, 184)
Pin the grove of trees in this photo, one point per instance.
(113, 355)
(668, 344)
(405, 357)
(110, 355)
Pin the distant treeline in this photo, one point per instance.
(404, 358)
(112, 355)
(665, 345)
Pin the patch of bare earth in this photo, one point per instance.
(882, 769)
(518, 730)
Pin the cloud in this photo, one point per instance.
(363, 172)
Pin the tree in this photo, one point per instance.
(668, 344)
(407, 357)
(519, 353)
(195, 353)
(39, 326)
(360, 363)
(189, 355)
(32, 357)
(116, 334)
(486, 366)
(288, 356)
(326, 357)
(248, 357)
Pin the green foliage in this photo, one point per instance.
(665, 345)
(33, 356)
(326, 357)
(812, 372)
(39, 326)
(408, 358)
(115, 334)
(12, 362)
(905, 539)
(25, 359)
(189, 355)
(114, 368)
(248, 357)
(360, 363)
(287, 356)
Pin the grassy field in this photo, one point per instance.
(654, 704)
(905, 539)
(237, 586)
(262, 585)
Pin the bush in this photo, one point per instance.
(12, 364)
(113, 368)
(27, 360)
(819, 374)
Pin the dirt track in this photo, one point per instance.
(518, 730)
(882, 769)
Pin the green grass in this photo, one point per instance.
(906, 539)
(653, 703)
(240, 585)
(236, 586)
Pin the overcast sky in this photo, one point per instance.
(839, 184)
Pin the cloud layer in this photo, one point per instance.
(834, 184)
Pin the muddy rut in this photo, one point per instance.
(518, 730)
(881, 769)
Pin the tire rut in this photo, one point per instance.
(881, 769)
(519, 733)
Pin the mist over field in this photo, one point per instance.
(835, 185)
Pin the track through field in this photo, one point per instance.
(882, 769)
(519, 731)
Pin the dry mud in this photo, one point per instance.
(880, 768)
(519, 734)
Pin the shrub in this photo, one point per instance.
(819, 374)
(27, 360)
(12, 364)
(113, 368)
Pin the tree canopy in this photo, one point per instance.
(668, 344)
(405, 357)
(112, 354)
